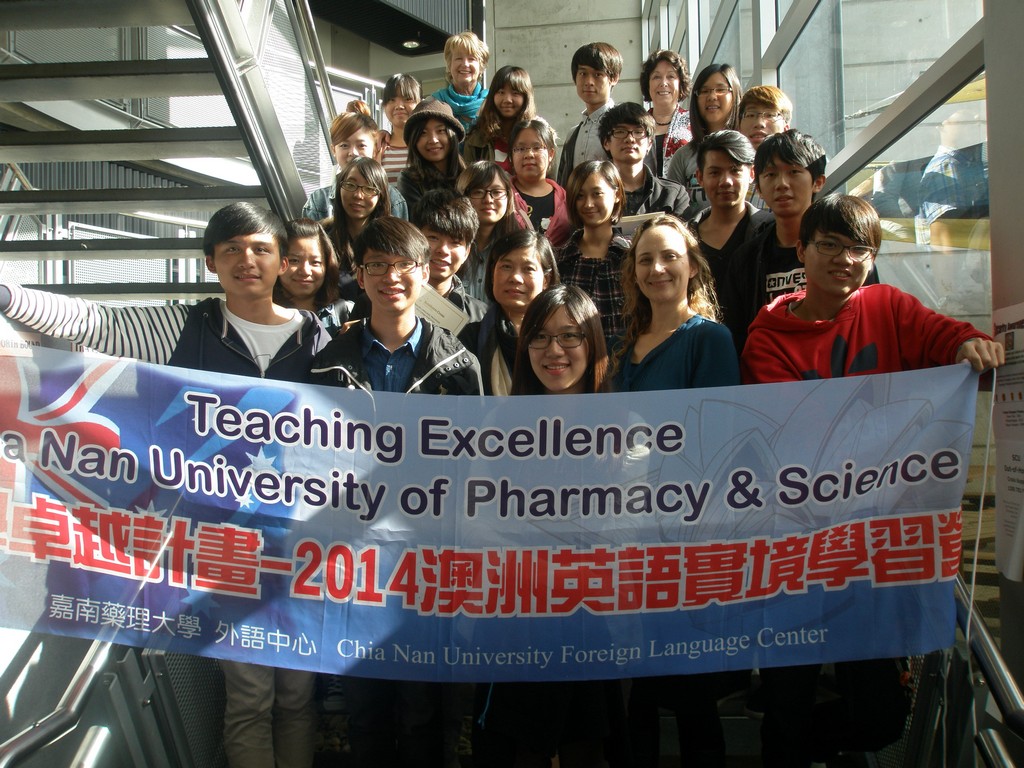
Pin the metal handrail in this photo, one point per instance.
(309, 49)
(997, 675)
(993, 749)
(66, 715)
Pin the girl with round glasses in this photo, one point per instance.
(362, 194)
(543, 199)
(714, 106)
(489, 189)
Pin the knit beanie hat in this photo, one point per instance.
(433, 109)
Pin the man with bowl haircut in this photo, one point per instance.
(627, 132)
(449, 222)
(269, 717)
(596, 68)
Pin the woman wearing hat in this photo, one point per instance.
(433, 134)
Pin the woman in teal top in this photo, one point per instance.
(672, 338)
(673, 341)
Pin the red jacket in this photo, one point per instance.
(559, 228)
(879, 330)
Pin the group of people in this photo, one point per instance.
(715, 287)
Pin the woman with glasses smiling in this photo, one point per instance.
(362, 194)
(543, 199)
(489, 189)
(714, 106)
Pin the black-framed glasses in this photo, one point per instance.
(768, 117)
(637, 133)
(832, 248)
(499, 193)
(567, 340)
(351, 186)
(719, 90)
(379, 268)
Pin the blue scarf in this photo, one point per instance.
(465, 108)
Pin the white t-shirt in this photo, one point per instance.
(263, 341)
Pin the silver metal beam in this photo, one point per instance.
(166, 199)
(143, 144)
(88, 250)
(84, 81)
(223, 32)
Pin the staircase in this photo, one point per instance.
(125, 123)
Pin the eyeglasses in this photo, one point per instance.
(768, 117)
(718, 90)
(637, 133)
(831, 248)
(351, 186)
(567, 340)
(494, 194)
(379, 268)
(536, 149)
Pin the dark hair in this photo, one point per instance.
(401, 86)
(347, 123)
(488, 121)
(238, 219)
(583, 312)
(523, 238)
(604, 57)
(626, 113)
(636, 310)
(376, 177)
(697, 126)
(733, 143)
(446, 212)
(543, 128)
(844, 215)
(396, 237)
(329, 291)
(424, 173)
(792, 148)
(478, 175)
(578, 178)
(672, 58)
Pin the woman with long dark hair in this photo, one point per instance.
(433, 135)
(311, 278)
(509, 101)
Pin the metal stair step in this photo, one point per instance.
(164, 199)
(126, 145)
(83, 250)
(85, 81)
(85, 14)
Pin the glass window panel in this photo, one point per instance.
(850, 61)
(782, 8)
(931, 190)
(738, 42)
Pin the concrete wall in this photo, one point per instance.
(541, 36)
(537, 35)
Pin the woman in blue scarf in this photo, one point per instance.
(465, 59)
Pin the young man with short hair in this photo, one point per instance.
(764, 110)
(269, 716)
(391, 722)
(838, 326)
(596, 68)
(789, 170)
(626, 132)
(725, 170)
(449, 222)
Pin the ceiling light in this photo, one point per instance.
(412, 44)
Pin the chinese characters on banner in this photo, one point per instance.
(445, 538)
